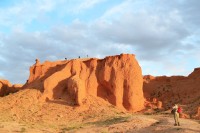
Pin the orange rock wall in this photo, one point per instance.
(175, 89)
(117, 79)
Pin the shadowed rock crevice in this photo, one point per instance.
(6, 88)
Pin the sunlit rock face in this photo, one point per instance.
(117, 79)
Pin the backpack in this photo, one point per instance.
(179, 110)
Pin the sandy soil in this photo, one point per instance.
(23, 112)
(131, 124)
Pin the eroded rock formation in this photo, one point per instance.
(117, 79)
(175, 89)
(6, 87)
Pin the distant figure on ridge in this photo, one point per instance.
(65, 58)
(37, 62)
(175, 111)
(79, 57)
(87, 55)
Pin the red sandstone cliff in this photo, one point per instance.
(175, 89)
(117, 79)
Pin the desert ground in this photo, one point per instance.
(22, 112)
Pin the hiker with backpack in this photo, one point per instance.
(176, 110)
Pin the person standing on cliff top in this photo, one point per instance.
(37, 62)
(176, 114)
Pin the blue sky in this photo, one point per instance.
(163, 34)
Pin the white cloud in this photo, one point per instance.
(146, 32)
(46, 5)
(87, 4)
(161, 38)
(24, 13)
(118, 10)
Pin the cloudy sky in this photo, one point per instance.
(163, 34)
